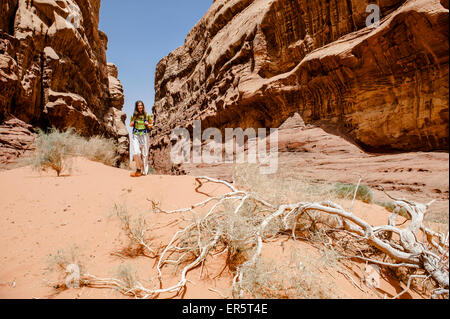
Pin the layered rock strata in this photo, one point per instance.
(254, 63)
(53, 69)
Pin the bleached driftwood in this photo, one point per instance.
(431, 256)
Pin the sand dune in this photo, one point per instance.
(41, 214)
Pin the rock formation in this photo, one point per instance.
(16, 140)
(308, 151)
(53, 69)
(254, 63)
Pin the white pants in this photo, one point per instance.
(139, 145)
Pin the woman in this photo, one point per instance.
(141, 123)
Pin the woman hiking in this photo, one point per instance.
(141, 122)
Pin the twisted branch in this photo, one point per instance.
(430, 256)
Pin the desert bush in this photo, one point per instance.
(348, 190)
(439, 217)
(297, 278)
(63, 258)
(54, 150)
(127, 274)
(136, 229)
(235, 232)
(282, 187)
(390, 206)
(236, 225)
(100, 149)
(61, 261)
(241, 221)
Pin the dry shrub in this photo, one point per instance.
(282, 187)
(439, 216)
(233, 232)
(55, 149)
(126, 165)
(298, 278)
(238, 231)
(60, 262)
(313, 226)
(240, 222)
(100, 149)
(63, 258)
(127, 274)
(136, 229)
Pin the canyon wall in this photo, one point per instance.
(54, 73)
(255, 63)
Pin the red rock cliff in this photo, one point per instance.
(254, 63)
(53, 72)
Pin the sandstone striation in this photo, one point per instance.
(254, 63)
(53, 69)
(16, 140)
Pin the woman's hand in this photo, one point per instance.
(132, 124)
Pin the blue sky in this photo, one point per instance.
(141, 33)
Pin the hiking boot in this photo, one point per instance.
(136, 174)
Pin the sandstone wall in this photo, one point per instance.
(254, 63)
(53, 69)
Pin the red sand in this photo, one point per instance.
(41, 214)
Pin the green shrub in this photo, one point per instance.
(390, 206)
(347, 191)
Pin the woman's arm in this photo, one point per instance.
(149, 122)
(132, 121)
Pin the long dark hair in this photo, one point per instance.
(136, 111)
